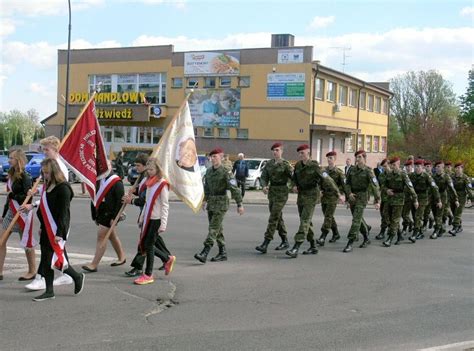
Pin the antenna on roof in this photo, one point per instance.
(344, 55)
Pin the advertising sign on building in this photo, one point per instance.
(285, 86)
(215, 107)
(290, 56)
(211, 63)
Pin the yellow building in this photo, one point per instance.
(243, 100)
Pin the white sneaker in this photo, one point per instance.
(37, 284)
(63, 279)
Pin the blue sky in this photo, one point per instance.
(385, 38)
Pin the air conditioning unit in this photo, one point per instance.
(337, 107)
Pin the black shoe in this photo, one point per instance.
(134, 272)
(311, 251)
(431, 222)
(434, 235)
(412, 238)
(441, 231)
(381, 235)
(453, 231)
(284, 245)
(364, 244)
(45, 296)
(79, 285)
(348, 247)
(293, 253)
(334, 238)
(202, 257)
(388, 242)
(263, 247)
(321, 241)
(419, 236)
(221, 256)
(399, 240)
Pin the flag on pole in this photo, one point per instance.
(83, 150)
(178, 158)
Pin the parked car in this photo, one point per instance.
(33, 167)
(256, 166)
(5, 166)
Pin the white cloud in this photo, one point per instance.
(7, 27)
(46, 91)
(321, 22)
(34, 8)
(181, 4)
(467, 11)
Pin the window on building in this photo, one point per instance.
(157, 133)
(120, 134)
(225, 82)
(370, 105)
(360, 142)
(242, 133)
(342, 95)
(383, 144)
(107, 133)
(332, 143)
(176, 82)
(349, 144)
(192, 82)
(385, 107)
(319, 88)
(154, 87)
(376, 144)
(331, 91)
(223, 132)
(244, 82)
(208, 132)
(378, 103)
(363, 98)
(105, 87)
(144, 135)
(353, 97)
(126, 83)
(368, 143)
(210, 82)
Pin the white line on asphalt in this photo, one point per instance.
(456, 346)
(71, 255)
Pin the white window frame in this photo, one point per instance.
(342, 98)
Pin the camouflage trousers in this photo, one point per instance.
(329, 208)
(407, 210)
(420, 213)
(439, 212)
(457, 221)
(216, 232)
(427, 214)
(358, 221)
(275, 221)
(383, 215)
(306, 205)
(394, 215)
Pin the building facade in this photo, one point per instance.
(242, 100)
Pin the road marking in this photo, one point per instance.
(456, 346)
(71, 255)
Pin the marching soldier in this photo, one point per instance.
(359, 179)
(463, 187)
(330, 199)
(445, 185)
(217, 181)
(408, 220)
(394, 186)
(424, 187)
(383, 205)
(449, 210)
(275, 177)
(307, 178)
(428, 219)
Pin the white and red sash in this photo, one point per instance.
(59, 260)
(25, 221)
(155, 191)
(105, 186)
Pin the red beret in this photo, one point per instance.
(428, 163)
(438, 163)
(458, 164)
(360, 152)
(419, 162)
(302, 147)
(331, 153)
(217, 150)
(276, 145)
(394, 159)
(383, 162)
(408, 162)
(448, 163)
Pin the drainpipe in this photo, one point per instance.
(313, 112)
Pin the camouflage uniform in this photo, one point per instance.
(425, 188)
(359, 180)
(462, 185)
(383, 207)
(276, 174)
(445, 185)
(216, 183)
(329, 202)
(408, 211)
(399, 182)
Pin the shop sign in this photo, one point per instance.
(285, 86)
(212, 63)
(290, 56)
(108, 98)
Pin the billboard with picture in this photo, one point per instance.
(215, 107)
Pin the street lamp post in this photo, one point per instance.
(67, 71)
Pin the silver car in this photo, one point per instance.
(256, 166)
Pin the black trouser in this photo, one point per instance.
(151, 249)
(241, 185)
(45, 265)
(160, 247)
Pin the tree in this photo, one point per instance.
(17, 123)
(467, 102)
(2, 138)
(19, 138)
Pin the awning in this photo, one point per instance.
(327, 128)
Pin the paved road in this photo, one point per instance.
(400, 298)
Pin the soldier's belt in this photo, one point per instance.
(278, 184)
(216, 195)
(304, 188)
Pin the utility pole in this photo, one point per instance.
(344, 55)
(67, 71)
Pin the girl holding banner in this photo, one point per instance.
(54, 216)
(18, 184)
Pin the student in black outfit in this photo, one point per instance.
(56, 200)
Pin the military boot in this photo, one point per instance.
(221, 256)
(441, 231)
(263, 247)
(381, 235)
(431, 222)
(366, 241)
(412, 238)
(335, 235)
(435, 234)
(322, 238)
(405, 227)
(399, 237)
(312, 249)
(284, 244)
(348, 247)
(450, 219)
(419, 235)
(202, 257)
(425, 224)
(455, 230)
(293, 253)
(388, 242)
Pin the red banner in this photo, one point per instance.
(83, 150)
